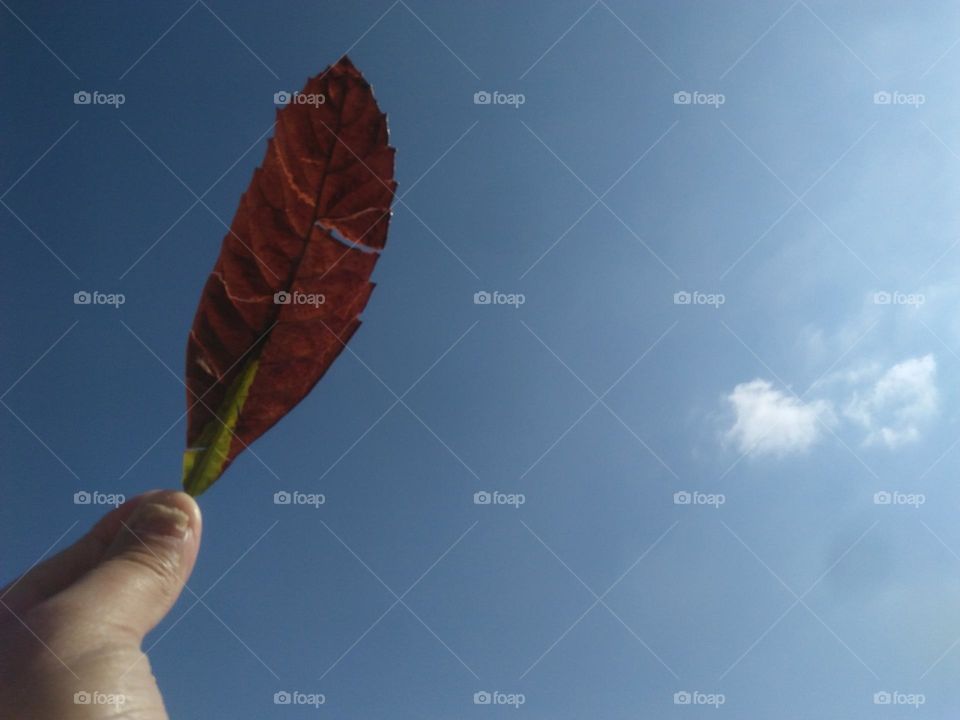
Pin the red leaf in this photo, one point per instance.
(311, 225)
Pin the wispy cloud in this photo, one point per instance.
(892, 406)
(770, 422)
(901, 401)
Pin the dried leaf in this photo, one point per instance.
(293, 273)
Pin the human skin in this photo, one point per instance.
(71, 628)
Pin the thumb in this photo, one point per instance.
(143, 570)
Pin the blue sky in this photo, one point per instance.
(805, 203)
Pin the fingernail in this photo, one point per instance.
(155, 518)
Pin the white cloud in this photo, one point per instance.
(898, 404)
(770, 422)
(890, 405)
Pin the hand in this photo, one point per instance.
(71, 627)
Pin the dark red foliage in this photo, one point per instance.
(313, 222)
